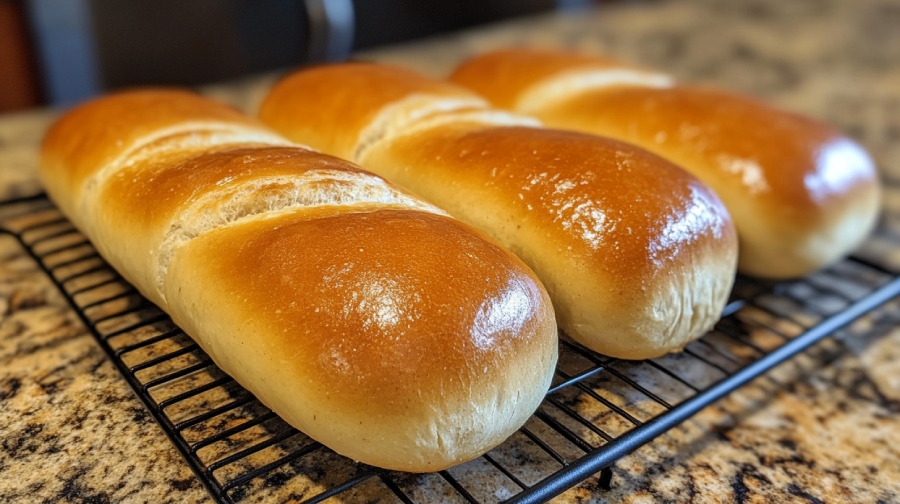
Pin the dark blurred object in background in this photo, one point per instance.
(195, 41)
(86, 47)
(18, 76)
(383, 22)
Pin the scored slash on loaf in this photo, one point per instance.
(637, 255)
(363, 316)
(802, 195)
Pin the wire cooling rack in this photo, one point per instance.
(597, 410)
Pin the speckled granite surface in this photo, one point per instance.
(823, 428)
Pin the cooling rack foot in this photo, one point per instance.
(605, 478)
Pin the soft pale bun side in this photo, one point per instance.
(362, 315)
(346, 107)
(802, 195)
(638, 256)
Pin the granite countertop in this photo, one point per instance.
(823, 428)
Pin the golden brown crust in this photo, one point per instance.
(637, 255)
(320, 287)
(503, 76)
(788, 180)
(615, 233)
(802, 195)
(176, 196)
(383, 336)
(94, 133)
(153, 192)
(90, 142)
(338, 103)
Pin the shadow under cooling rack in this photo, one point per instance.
(597, 410)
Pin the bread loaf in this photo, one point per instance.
(638, 256)
(802, 195)
(366, 318)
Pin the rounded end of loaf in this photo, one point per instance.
(802, 195)
(95, 133)
(101, 161)
(637, 255)
(835, 210)
(345, 107)
(419, 345)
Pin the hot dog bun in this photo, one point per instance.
(638, 255)
(362, 315)
(802, 195)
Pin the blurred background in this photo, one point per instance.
(55, 52)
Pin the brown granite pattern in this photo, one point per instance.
(817, 433)
(72, 429)
(823, 428)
